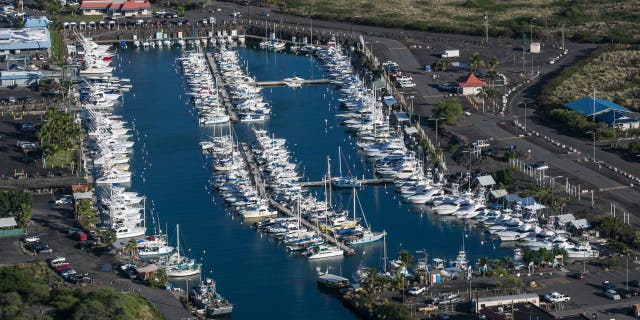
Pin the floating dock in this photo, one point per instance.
(257, 180)
(362, 182)
(282, 83)
(226, 101)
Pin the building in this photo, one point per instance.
(17, 40)
(471, 85)
(19, 78)
(126, 8)
(478, 304)
(604, 111)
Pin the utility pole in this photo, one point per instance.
(562, 36)
(486, 28)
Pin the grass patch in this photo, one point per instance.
(78, 18)
(599, 21)
(57, 51)
(60, 159)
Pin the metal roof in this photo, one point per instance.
(588, 106)
(486, 180)
(36, 22)
(499, 193)
(8, 222)
(25, 39)
(20, 75)
(508, 298)
(389, 100)
(565, 218)
(580, 224)
(401, 116)
(611, 117)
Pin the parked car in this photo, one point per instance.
(612, 294)
(579, 276)
(442, 316)
(79, 236)
(31, 239)
(57, 261)
(555, 297)
(27, 127)
(624, 293)
(415, 291)
(39, 247)
(635, 283)
(447, 86)
(607, 285)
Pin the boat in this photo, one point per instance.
(367, 235)
(179, 266)
(332, 281)
(260, 211)
(205, 296)
(323, 251)
(294, 82)
(582, 250)
(342, 181)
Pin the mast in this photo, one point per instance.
(178, 241)
(384, 251)
(354, 205)
(329, 177)
(340, 160)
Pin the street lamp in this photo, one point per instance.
(594, 144)
(531, 40)
(436, 120)
(525, 112)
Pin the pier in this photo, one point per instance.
(226, 101)
(257, 180)
(282, 83)
(361, 181)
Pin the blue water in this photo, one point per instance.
(256, 273)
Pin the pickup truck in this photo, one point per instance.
(417, 291)
(555, 297)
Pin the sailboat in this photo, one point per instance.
(342, 181)
(179, 266)
(368, 236)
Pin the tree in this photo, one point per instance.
(86, 216)
(493, 64)
(108, 237)
(442, 65)
(450, 109)
(131, 248)
(405, 258)
(18, 204)
(58, 132)
(476, 61)
(482, 264)
(371, 279)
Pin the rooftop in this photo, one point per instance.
(472, 81)
(588, 106)
(613, 116)
(25, 39)
(8, 222)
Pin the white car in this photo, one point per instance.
(417, 290)
(555, 297)
(612, 294)
(31, 239)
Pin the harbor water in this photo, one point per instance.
(253, 271)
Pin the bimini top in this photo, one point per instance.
(588, 106)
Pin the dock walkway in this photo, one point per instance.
(280, 83)
(361, 181)
(257, 180)
(226, 101)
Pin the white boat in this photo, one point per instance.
(324, 251)
(261, 211)
(123, 232)
(582, 251)
(181, 266)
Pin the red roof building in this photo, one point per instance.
(471, 85)
(128, 8)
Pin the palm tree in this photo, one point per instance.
(131, 248)
(371, 279)
(493, 64)
(405, 258)
(506, 262)
(442, 65)
(482, 264)
(476, 61)
(482, 93)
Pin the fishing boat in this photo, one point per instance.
(205, 296)
(332, 281)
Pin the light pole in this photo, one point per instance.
(411, 113)
(469, 167)
(552, 180)
(525, 112)
(436, 120)
(426, 263)
(531, 41)
(594, 144)
(627, 283)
